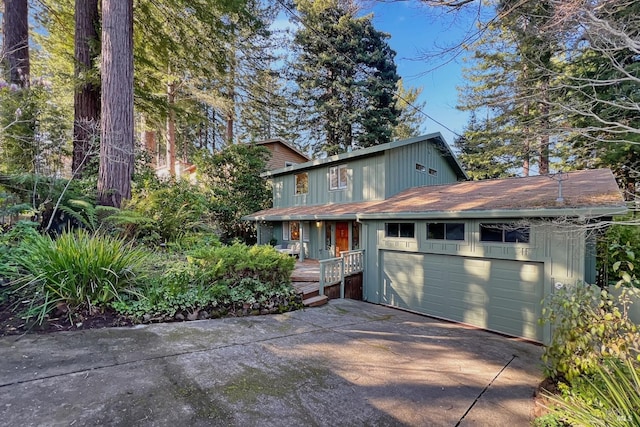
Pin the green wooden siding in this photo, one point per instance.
(365, 182)
(402, 173)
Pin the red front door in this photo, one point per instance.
(342, 237)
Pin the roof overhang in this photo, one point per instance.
(585, 212)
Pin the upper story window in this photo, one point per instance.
(433, 172)
(505, 233)
(400, 229)
(302, 183)
(338, 177)
(288, 163)
(421, 168)
(445, 230)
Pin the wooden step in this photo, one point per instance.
(315, 301)
(307, 289)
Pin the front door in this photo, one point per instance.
(342, 237)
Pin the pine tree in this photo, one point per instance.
(347, 77)
(410, 117)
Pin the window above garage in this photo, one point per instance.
(400, 229)
(445, 230)
(504, 233)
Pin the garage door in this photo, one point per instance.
(500, 295)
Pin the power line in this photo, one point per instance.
(293, 14)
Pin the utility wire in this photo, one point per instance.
(293, 14)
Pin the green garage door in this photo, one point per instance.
(500, 295)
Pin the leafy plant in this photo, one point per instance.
(164, 214)
(610, 397)
(588, 326)
(76, 271)
(238, 261)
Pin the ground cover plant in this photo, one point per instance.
(79, 276)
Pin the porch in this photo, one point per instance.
(319, 281)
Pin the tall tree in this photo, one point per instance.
(509, 82)
(117, 145)
(86, 100)
(410, 118)
(15, 49)
(347, 77)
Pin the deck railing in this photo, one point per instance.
(334, 270)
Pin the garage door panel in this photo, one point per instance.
(501, 295)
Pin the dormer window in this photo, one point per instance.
(302, 183)
(338, 177)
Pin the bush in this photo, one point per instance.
(215, 279)
(609, 397)
(74, 272)
(239, 261)
(164, 214)
(588, 326)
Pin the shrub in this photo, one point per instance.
(239, 261)
(78, 270)
(609, 397)
(588, 326)
(164, 214)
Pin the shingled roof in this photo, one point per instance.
(581, 190)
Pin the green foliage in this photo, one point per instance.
(10, 247)
(588, 326)
(212, 277)
(609, 397)
(346, 74)
(33, 133)
(163, 214)
(234, 263)
(233, 177)
(617, 252)
(76, 271)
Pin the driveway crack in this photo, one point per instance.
(485, 389)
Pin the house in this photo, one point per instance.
(283, 154)
(484, 253)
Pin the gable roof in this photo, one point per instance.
(588, 192)
(285, 144)
(435, 138)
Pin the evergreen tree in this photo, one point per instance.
(15, 47)
(483, 158)
(410, 117)
(347, 78)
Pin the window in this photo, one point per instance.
(433, 172)
(287, 164)
(509, 233)
(420, 168)
(302, 183)
(400, 229)
(285, 231)
(445, 230)
(294, 230)
(338, 177)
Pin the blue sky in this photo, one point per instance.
(415, 30)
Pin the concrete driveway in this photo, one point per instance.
(347, 363)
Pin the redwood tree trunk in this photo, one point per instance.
(116, 147)
(15, 50)
(86, 99)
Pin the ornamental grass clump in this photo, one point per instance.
(77, 271)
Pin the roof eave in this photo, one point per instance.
(582, 212)
(303, 217)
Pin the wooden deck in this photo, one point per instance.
(306, 280)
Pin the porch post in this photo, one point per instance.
(301, 228)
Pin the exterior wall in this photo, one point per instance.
(365, 182)
(281, 154)
(401, 168)
(562, 250)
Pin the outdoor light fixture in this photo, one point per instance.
(318, 224)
